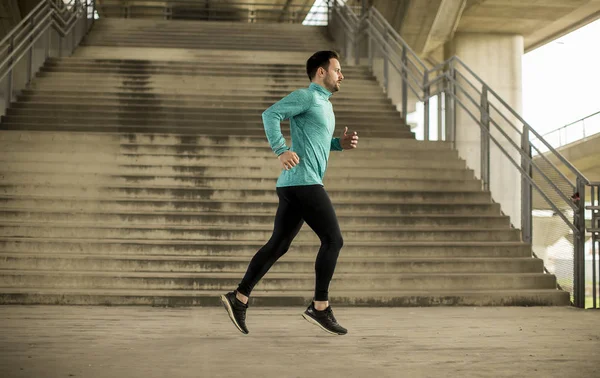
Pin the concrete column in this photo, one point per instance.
(496, 59)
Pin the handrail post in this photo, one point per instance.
(48, 42)
(9, 78)
(595, 223)
(579, 245)
(526, 190)
(93, 12)
(439, 116)
(426, 105)
(404, 85)
(30, 54)
(385, 64)
(484, 152)
(449, 98)
(356, 45)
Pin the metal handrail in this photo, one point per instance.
(383, 37)
(559, 129)
(572, 123)
(62, 17)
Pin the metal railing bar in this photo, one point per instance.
(534, 165)
(397, 36)
(520, 150)
(398, 60)
(571, 124)
(529, 179)
(23, 22)
(15, 52)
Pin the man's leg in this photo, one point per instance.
(288, 222)
(319, 214)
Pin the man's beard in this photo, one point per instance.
(334, 87)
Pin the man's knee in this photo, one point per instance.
(335, 242)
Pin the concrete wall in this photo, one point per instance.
(496, 59)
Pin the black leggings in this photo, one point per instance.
(296, 205)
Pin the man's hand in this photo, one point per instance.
(288, 160)
(349, 141)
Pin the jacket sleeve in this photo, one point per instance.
(291, 105)
(336, 145)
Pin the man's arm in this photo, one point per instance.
(291, 105)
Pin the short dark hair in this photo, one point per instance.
(319, 59)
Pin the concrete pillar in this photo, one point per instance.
(496, 59)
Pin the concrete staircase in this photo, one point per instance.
(143, 176)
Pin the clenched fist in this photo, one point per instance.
(349, 141)
(288, 160)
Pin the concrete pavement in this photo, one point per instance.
(70, 341)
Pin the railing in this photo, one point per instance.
(594, 229)
(213, 10)
(573, 131)
(465, 103)
(51, 29)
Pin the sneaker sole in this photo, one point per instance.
(313, 321)
(229, 310)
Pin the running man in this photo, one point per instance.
(302, 197)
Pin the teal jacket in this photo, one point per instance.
(312, 123)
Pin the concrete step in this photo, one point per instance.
(104, 217)
(144, 74)
(275, 281)
(240, 95)
(92, 180)
(198, 87)
(169, 43)
(206, 102)
(368, 125)
(196, 63)
(214, 104)
(377, 121)
(170, 54)
(391, 298)
(148, 66)
(247, 248)
(291, 264)
(223, 35)
(160, 109)
(174, 196)
(212, 79)
(102, 202)
(153, 126)
(208, 79)
(115, 23)
(14, 160)
(310, 40)
(171, 143)
(245, 232)
(272, 169)
(252, 128)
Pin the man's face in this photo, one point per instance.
(333, 76)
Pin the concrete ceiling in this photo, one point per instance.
(426, 24)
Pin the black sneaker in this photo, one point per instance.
(236, 310)
(324, 319)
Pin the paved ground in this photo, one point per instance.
(47, 341)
